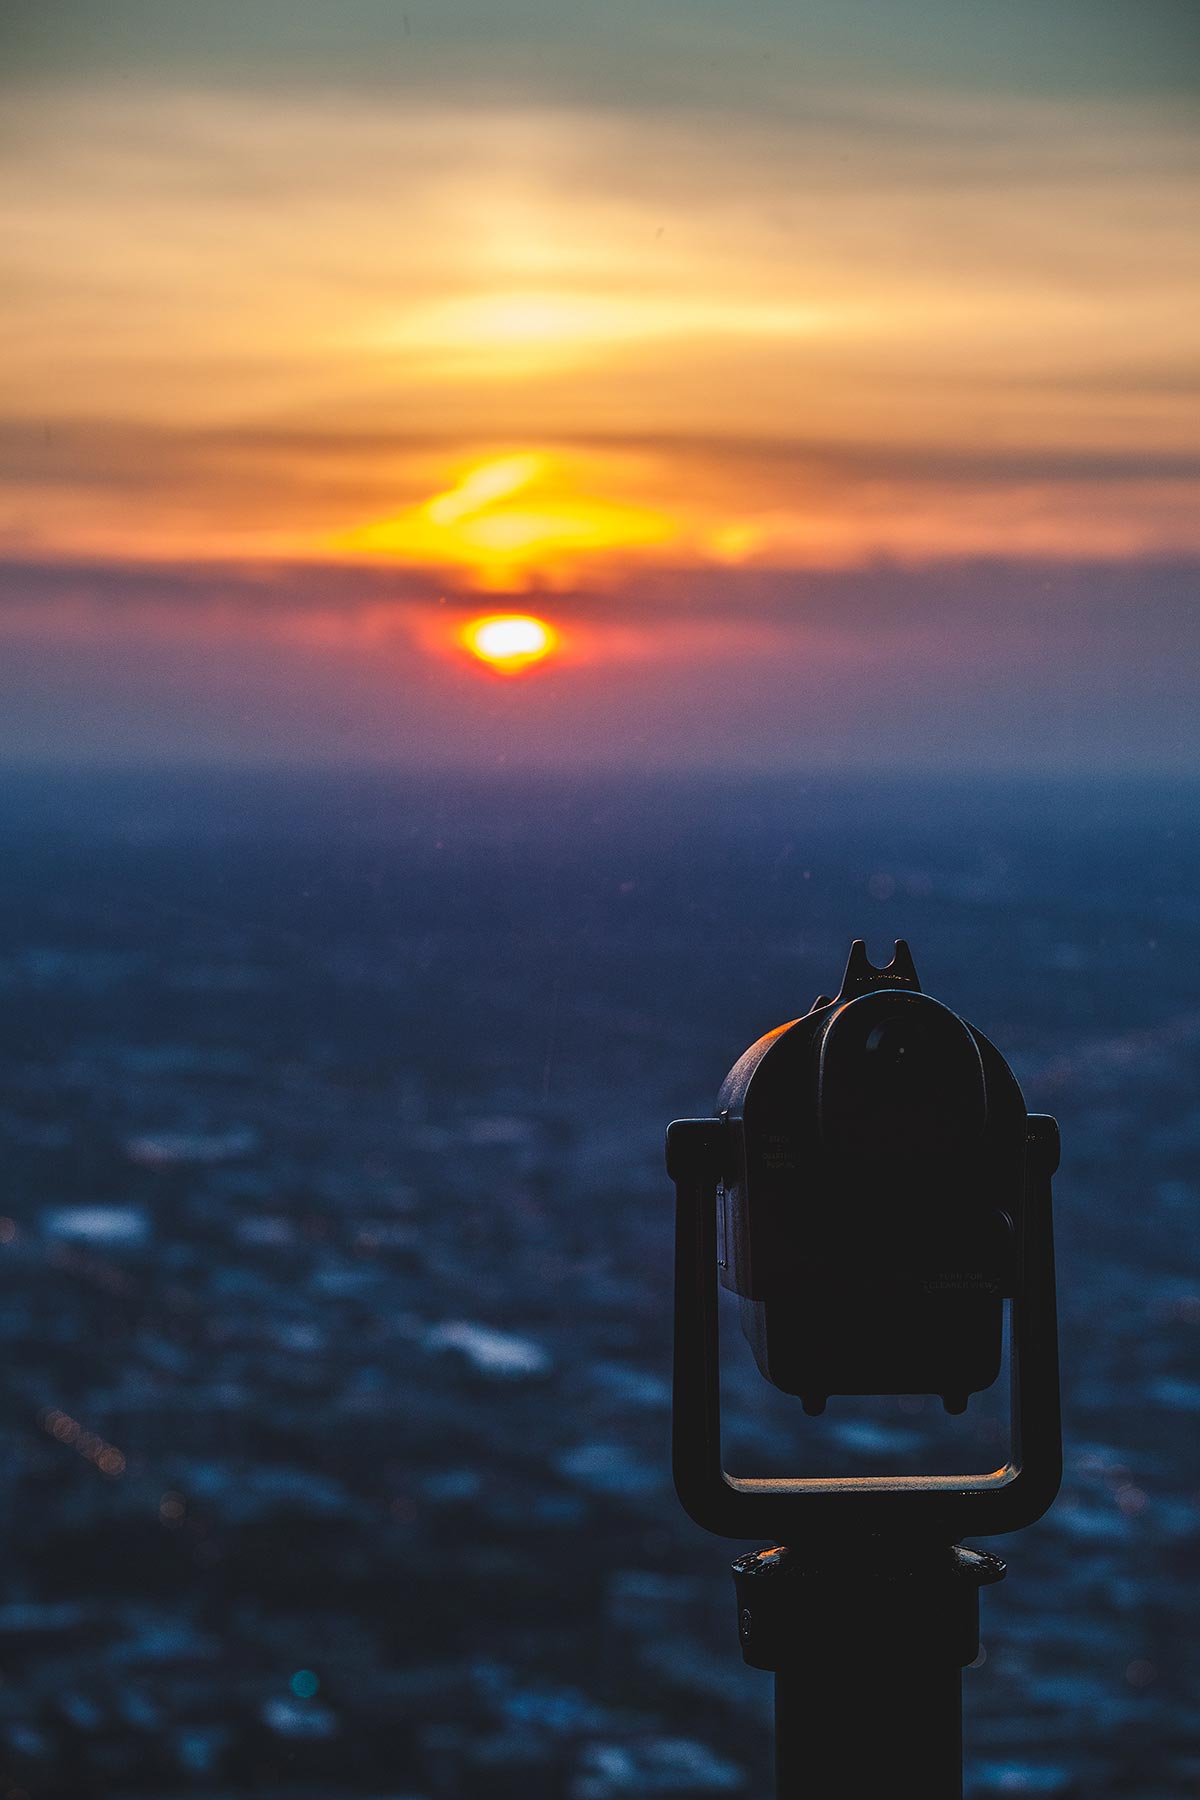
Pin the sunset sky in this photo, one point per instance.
(820, 356)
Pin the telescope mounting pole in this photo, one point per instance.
(867, 1647)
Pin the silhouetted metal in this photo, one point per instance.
(873, 1189)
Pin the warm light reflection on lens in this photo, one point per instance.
(508, 642)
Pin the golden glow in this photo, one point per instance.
(583, 349)
(508, 642)
(480, 487)
(471, 527)
(502, 336)
(733, 543)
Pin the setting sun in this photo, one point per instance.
(508, 642)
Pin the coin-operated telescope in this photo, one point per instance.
(874, 1191)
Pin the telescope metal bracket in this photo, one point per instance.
(811, 1508)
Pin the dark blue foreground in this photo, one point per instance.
(336, 1270)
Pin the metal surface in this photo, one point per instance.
(940, 1508)
(868, 1648)
(866, 1608)
(905, 1624)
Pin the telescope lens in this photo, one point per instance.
(900, 1075)
(895, 1043)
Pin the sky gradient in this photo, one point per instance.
(682, 324)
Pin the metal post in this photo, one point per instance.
(868, 1647)
(859, 1731)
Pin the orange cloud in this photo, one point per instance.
(668, 345)
(511, 519)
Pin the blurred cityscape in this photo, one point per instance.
(336, 1271)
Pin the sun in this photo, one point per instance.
(508, 642)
